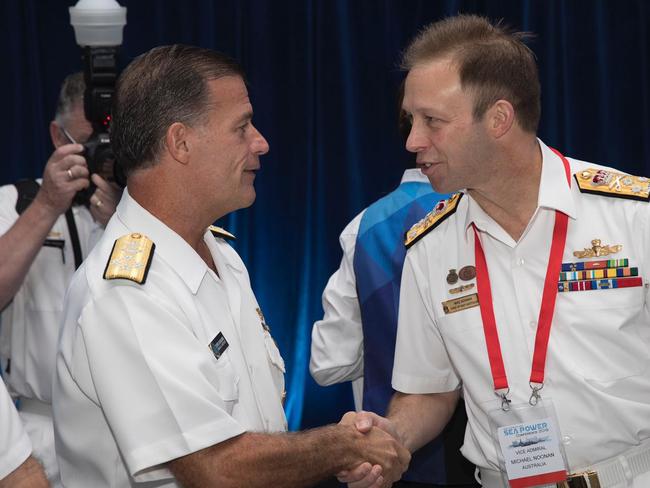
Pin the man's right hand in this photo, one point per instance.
(64, 175)
(385, 457)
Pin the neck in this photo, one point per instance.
(510, 196)
(166, 201)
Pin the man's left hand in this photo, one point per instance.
(104, 201)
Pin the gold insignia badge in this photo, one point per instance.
(461, 288)
(219, 232)
(612, 183)
(442, 210)
(597, 249)
(130, 258)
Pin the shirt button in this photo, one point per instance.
(566, 439)
(532, 324)
(521, 262)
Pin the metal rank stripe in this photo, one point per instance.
(597, 274)
(585, 285)
(601, 264)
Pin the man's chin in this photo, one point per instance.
(249, 199)
(443, 185)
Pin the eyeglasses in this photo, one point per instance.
(67, 134)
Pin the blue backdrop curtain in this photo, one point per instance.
(323, 79)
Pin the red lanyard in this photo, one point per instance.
(545, 313)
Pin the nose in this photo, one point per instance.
(417, 140)
(260, 146)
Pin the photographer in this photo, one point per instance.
(44, 235)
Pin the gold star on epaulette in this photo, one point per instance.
(613, 184)
(442, 210)
(219, 232)
(130, 258)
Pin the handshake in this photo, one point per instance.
(381, 457)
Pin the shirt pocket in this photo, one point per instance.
(276, 363)
(226, 381)
(600, 332)
(46, 281)
(464, 341)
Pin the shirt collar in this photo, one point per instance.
(554, 192)
(171, 247)
(414, 175)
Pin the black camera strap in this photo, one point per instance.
(27, 190)
(74, 237)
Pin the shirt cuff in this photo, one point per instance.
(406, 383)
(148, 463)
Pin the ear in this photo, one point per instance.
(500, 118)
(56, 135)
(176, 141)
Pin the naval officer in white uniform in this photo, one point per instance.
(166, 370)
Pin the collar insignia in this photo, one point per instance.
(222, 233)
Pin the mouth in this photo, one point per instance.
(427, 167)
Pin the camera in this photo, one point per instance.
(98, 28)
(100, 74)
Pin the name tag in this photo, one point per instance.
(460, 303)
(532, 453)
(528, 443)
(58, 243)
(218, 345)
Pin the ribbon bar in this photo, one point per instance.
(601, 264)
(585, 285)
(597, 274)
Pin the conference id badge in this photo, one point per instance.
(527, 440)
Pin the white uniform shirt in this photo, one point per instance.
(337, 339)
(598, 363)
(30, 324)
(15, 447)
(136, 383)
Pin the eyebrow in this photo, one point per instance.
(245, 118)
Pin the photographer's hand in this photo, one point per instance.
(64, 175)
(105, 199)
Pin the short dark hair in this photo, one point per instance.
(164, 85)
(71, 93)
(493, 63)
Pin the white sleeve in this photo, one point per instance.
(15, 447)
(337, 339)
(162, 392)
(421, 364)
(8, 214)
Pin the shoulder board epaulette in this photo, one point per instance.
(130, 258)
(613, 184)
(442, 210)
(219, 232)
